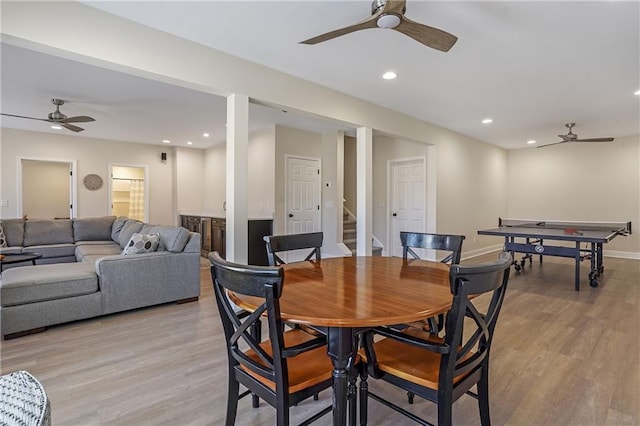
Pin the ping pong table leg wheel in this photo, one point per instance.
(523, 262)
(517, 267)
(593, 283)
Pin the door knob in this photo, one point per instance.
(290, 215)
(395, 214)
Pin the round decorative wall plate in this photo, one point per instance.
(92, 182)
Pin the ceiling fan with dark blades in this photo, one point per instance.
(572, 137)
(390, 14)
(59, 118)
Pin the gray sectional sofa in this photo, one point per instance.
(83, 272)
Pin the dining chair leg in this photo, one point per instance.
(445, 406)
(410, 396)
(232, 399)
(483, 397)
(282, 411)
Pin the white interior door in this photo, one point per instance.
(303, 195)
(407, 200)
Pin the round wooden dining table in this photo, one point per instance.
(348, 295)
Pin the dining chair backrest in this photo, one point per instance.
(260, 282)
(269, 369)
(468, 351)
(289, 242)
(443, 369)
(444, 242)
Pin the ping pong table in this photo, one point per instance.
(529, 237)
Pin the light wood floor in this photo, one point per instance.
(560, 357)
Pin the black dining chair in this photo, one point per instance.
(442, 369)
(284, 370)
(283, 243)
(289, 242)
(443, 242)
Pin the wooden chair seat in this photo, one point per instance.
(410, 363)
(305, 370)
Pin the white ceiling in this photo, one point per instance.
(531, 66)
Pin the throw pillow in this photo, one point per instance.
(142, 243)
(3, 239)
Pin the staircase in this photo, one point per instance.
(349, 231)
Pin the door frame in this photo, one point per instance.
(146, 186)
(73, 201)
(429, 206)
(286, 193)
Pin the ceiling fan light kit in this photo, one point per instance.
(389, 14)
(59, 118)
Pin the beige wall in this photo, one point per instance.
(91, 156)
(593, 182)
(261, 181)
(190, 182)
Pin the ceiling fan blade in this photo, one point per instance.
(549, 144)
(24, 116)
(394, 6)
(363, 25)
(77, 119)
(71, 127)
(429, 36)
(595, 140)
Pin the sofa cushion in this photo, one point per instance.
(41, 232)
(13, 231)
(130, 227)
(92, 228)
(96, 250)
(172, 238)
(30, 284)
(116, 227)
(52, 250)
(142, 243)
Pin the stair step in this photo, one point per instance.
(375, 251)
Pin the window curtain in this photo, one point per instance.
(136, 200)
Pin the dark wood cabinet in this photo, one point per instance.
(213, 236)
(218, 240)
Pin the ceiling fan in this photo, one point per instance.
(59, 118)
(572, 137)
(390, 14)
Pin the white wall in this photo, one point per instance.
(92, 156)
(594, 182)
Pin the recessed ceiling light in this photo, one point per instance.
(389, 75)
(166, 141)
(487, 121)
(206, 135)
(637, 92)
(56, 127)
(531, 142)
(189, 143)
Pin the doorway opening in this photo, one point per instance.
(128, 193)
(46, 188)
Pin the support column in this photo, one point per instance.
(237, 177)
(364, 152)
